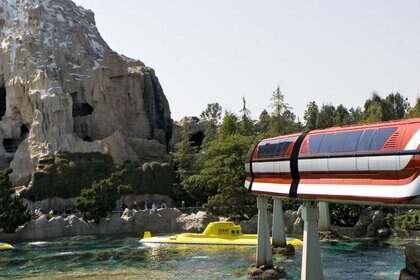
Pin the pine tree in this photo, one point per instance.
(98, 201)
(12, 211)
(245, 125)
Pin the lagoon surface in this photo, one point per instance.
(92, 257)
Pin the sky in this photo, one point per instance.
(327, 51)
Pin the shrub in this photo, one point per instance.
(12, 211)
(345, 215)
(65, 174)
(409, 220)
(99, 201)
(150, 178)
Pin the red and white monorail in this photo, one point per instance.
(373, 164)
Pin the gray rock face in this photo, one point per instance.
(412, 263)
(371, 223)
(196, 222)
(130, 222)
(63, 88)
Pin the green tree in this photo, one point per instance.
(282, 120)
(98, 201)
(356, 115)
(310, 116)
(373, 113)
(393, 107)
(245, 125)
(223, 175)
(185, 158)
(325, 116)
(414, 112)
(263, 122)
(341, 116)
(278, 105)
(229, 125)
(211, 116)
(12, 211)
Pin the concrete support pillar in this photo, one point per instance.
(264, 254)
(324, 217)
(279, 236)
(311, 253)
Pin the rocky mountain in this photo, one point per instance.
(63, 88)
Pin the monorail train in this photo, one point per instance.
(366, 164)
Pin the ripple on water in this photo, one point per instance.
(123, 258)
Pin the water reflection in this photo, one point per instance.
(124, 258)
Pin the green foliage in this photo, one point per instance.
(393, 107)
(186, 162)
(325, 116)
(310, 116)
(65, 174)
(345, 215)
(98, 201)
(228, 126)
(263, 122)
(409, 220)
(151, 177)
(415, 111)
(211, 116)
(12, 211)
(222, 175)
(245, 125)
(341, 116)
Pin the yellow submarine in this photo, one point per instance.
(5, 246)
(216, 233)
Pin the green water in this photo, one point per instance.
(124, 258)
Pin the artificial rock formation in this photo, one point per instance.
(63, 88)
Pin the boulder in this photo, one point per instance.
(371, 223)
(412, 263)
(196, 222)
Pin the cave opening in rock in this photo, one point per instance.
(2, 97)
(197, 138)
(24, 130)
(82, 109)
(10, 145)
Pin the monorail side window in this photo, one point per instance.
(270, 150)
(350, 141)
(267, 150)
(380, 137)
(314, 143)
(340, 142)
(327, 143)
(282, 148)
(365, 140)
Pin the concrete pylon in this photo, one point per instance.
(264, 254)
(324, 217)
(279, 236)
(311, 253)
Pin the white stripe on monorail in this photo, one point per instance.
(414, 141)
(368, 163)
(369, 191)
